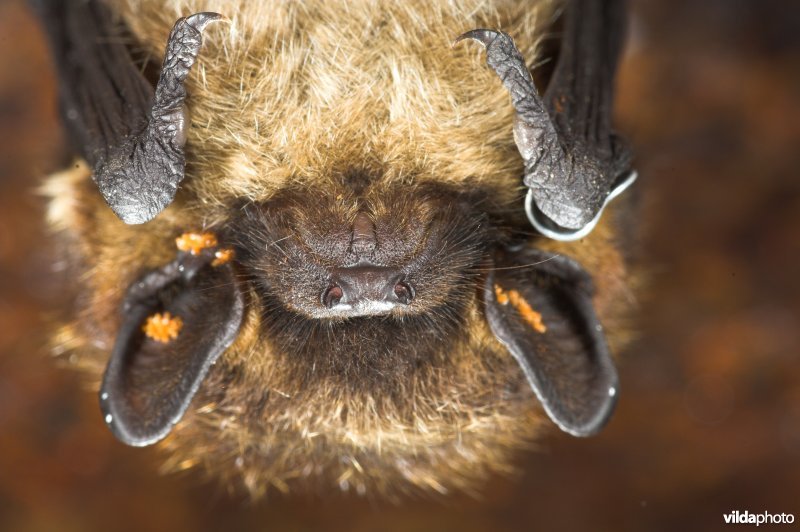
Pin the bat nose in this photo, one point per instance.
(366, 290)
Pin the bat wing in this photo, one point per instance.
(574, 162)
(104, 96)
(130, 133)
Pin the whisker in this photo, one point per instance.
(520, 266)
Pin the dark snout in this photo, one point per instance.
(399, 253)
(366, 290)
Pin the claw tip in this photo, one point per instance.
(199, 21)
(483, 36)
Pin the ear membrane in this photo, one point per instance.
(194, 310)
(540, 308)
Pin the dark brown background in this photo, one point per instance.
(709, 418)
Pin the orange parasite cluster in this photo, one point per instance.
(162, 327)
(533, 318)
(194, 243)
(222, 256)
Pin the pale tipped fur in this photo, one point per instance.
(296, 90)
(302, 91)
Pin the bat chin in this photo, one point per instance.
(306, 410)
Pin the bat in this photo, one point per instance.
(357, 247)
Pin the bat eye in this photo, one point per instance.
(404, 292)
(332, 295)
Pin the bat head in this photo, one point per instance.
(341, 290)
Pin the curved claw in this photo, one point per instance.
(199, 21)
(483, 36)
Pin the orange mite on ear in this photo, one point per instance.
(194, 243)
(533, 318)
(162, 327)
(502, 297)
(221, 257)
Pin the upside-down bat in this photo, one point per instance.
(318, 244)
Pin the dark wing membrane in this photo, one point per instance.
(574, 162)
(104, 97)
(580, 94)
(131, 135)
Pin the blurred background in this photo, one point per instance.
(709, 418)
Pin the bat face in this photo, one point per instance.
(363, 253)
(369, 282)
(311, 264)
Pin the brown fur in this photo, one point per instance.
(305, 94)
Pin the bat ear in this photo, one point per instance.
(540, 308)
(176, 322)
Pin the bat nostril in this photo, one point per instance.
(404, 292)
(332, 295)
(365, 291)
